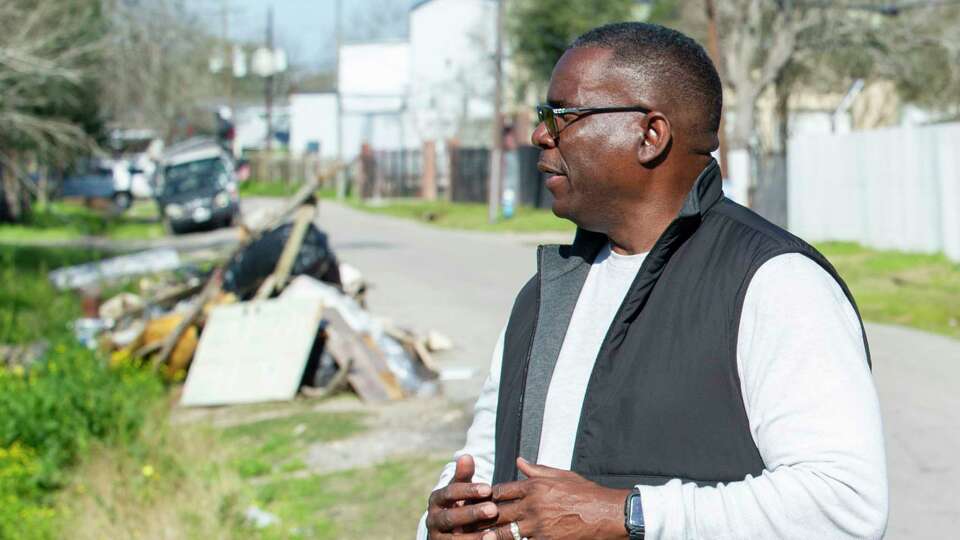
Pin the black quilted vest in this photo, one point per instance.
(663, 400)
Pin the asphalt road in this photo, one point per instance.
(463, 284)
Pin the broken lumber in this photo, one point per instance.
(281, 273)
(369, 375)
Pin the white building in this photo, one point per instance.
(313, 124)
(436, 85)
(452, 45)
(374, 91)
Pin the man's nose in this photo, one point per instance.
(542, 138)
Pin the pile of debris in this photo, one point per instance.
(276, 315)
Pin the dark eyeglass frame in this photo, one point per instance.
(548, 115)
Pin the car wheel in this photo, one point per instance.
(122, 200)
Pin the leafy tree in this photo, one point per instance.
(49, 51)
(540, 30)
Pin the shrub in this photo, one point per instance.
(51, 412)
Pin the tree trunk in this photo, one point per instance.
(11, 197)
(744, 112)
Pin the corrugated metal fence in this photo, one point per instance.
(895, 188)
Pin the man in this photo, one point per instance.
(683, 362)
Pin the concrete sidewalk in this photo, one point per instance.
(918, 379)
(464, 283)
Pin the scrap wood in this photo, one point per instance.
(118, 305)
(210, 291)
(298, 199)
(415, 345)
(148, 349)
(182, 353)
(369, 375)
(214, 283)
(281, 273)
(339, 381)
(301, 221)
(165, 297)
(155, 335)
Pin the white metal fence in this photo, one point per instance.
(896, 188)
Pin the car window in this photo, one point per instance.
(194, 176)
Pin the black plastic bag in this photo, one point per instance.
(251, 266)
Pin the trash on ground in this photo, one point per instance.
(145, 262)
(457, 374)
(253, 352)
(260, 519)
(277, 315)
(437, 342)
(353, 283)
(116, 307)
(87, 330)
(22, 355)
(250, 267)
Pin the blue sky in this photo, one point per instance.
(305, 28)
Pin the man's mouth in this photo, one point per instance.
(547, 169)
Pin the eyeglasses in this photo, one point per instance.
(548, 115)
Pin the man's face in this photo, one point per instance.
(592, 162)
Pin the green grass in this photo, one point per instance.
(62, 221)
(277, 444)
(30, 308)
(469, 216)
(257, 188)
(921, 291)
(56, 409)
(384, 501)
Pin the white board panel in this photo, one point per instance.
(253, 352)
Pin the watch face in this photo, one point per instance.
(635, 516)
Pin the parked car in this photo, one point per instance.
(139, 149)
(197, 187)
(100, 179)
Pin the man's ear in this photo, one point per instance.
(655, 139)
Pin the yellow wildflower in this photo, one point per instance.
(147, 471)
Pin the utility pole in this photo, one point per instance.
(268, 90)
(713, 43)
(496, 153)
(341, 174)
(228, 75)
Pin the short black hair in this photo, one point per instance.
(673, 58)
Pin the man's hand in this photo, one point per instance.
(556, 504)
(457, 510)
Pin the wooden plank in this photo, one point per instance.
(281, 272)
(370, 376)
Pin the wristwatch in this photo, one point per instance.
(633, 516)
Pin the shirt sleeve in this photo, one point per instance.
(481, 435)
(814, 416)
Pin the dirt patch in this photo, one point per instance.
(431, 428)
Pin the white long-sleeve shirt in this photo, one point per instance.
(809, 397)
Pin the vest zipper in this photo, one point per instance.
(526, 369)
